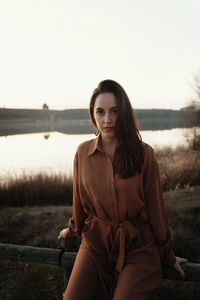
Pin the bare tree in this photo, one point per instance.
(45, 106)
(196, 86)
(191, 114)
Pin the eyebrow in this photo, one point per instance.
(110, 108)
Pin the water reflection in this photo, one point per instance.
(54, 152)
(46, 136)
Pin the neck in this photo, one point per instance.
(108, 142)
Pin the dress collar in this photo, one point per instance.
(96, 145)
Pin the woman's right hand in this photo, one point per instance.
(63, 234)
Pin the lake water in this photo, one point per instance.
(54, 152)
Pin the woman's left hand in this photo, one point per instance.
(178, 267)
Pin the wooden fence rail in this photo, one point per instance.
(65, 258)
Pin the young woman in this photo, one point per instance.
(118, 208)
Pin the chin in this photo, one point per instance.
(108, 134)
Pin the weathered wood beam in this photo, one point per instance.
(30, 254)
(66, 260)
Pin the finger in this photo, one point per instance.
(60, 236)
(180, 270)
(183, 260)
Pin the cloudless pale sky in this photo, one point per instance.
(56, 51)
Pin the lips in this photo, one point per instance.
(108, 128)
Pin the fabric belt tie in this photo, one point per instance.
(125, 233)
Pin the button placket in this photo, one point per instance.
(112, 189)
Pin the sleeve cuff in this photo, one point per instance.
(168, 258)
(73, 232)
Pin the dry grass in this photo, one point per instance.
(38, 228)
(179, 167)
(178, 290)
(22, 281)
(36, 189)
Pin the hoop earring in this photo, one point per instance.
(96, 131)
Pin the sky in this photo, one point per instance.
(57, 51)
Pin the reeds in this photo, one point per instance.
(36, 189)
(179, 167)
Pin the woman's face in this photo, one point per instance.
(105, 114)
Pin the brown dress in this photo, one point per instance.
(124, 228)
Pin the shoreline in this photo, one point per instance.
(19, 121)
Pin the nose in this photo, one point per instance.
(107, 118)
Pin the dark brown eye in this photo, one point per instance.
(114, 111)
(99, 111)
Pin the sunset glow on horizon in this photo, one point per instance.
(56, 52)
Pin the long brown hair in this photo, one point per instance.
(129, 157)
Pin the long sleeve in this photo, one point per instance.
(156, 210)
(76, 222)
